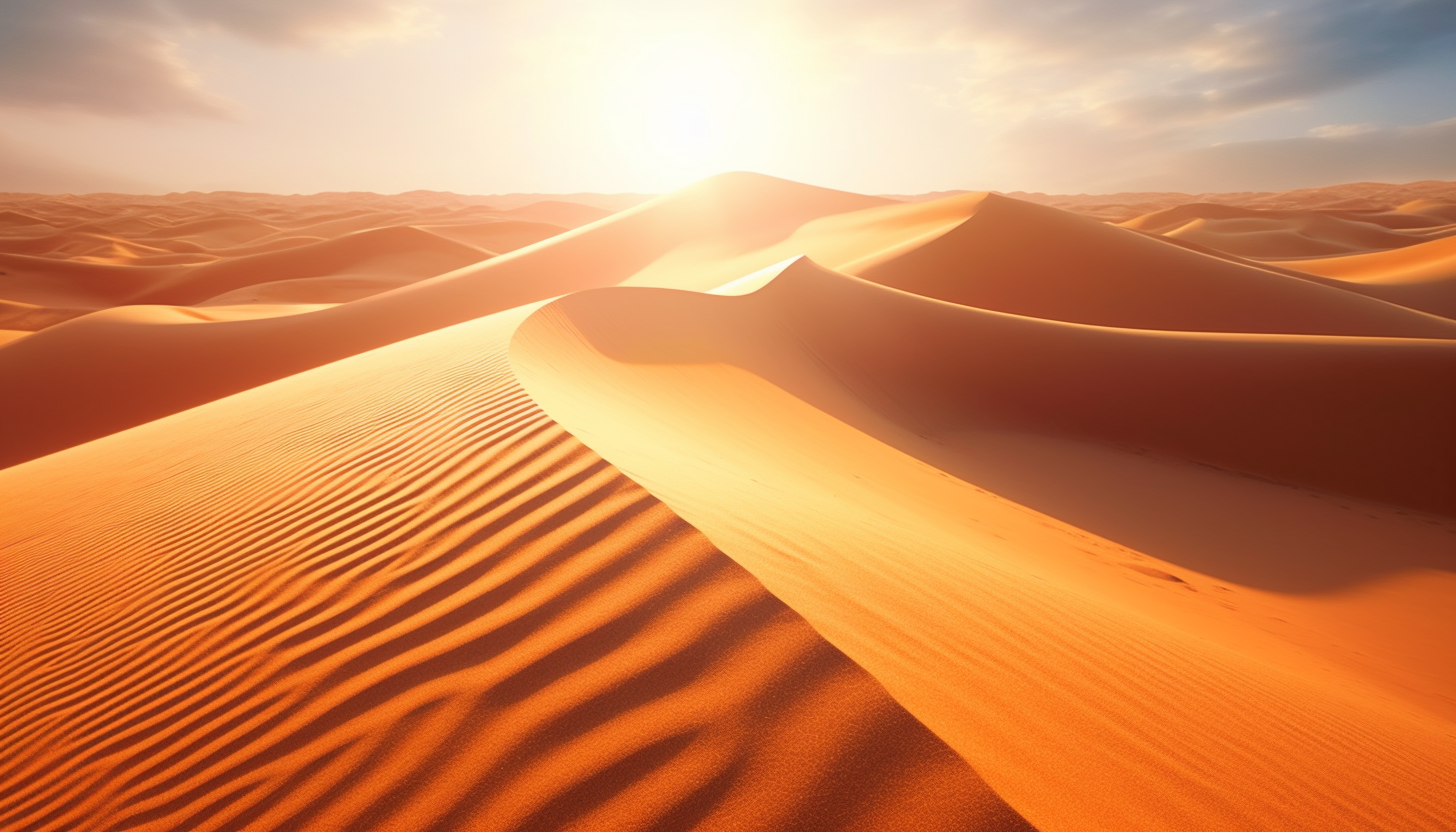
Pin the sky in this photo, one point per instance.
(875, 96)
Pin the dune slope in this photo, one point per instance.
(810, 429)
(1251, 232)
(93, 376)
(393, 594)
(1028, 259)
(1420, 277)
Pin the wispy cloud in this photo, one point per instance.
(1156, 63)
(1288, 54)
(119, 57)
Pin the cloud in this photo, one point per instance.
(119, 57)
(1156, 63)
(1078, 154)
(1399, 154)
(1336, 131)
(300, 22)
(1294, 53)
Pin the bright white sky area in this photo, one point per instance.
(559, 96)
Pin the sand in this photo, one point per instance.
(399, 596)
(95, 375)
(1420, 276)
(821, 452)
(752, 506)
(1275, 234)
(1359, 198)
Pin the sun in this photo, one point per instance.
(683, 108)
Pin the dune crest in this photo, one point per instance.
(755, 505)
(814, 448)
(89, 377)
(1293, 233)
(969, 249)
(1032, 260)
(396, 595)
(1420, 277)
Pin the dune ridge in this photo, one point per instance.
(104, 372)
(398, 596)
(1421, 276)
(133, 244)
(1274, 406)
(1371, 197)
(999, 258)
(1289, 233)
(698, 238)
(753, 506)
(813, 448)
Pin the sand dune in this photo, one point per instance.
(393, 594)
(965, 513)
(497, 236)
(393, 256)
(1368, 197)
(984, 251)
(403, 252)
(1274, 406)
(1003, 258)
(281, 257)
(1420, 277)
(60, 282)
(810, 429)
(219, 231)
(1436, 209)
(98, 374)
(16, 218)
(557, 212)
(1289, 233)
(102, 248)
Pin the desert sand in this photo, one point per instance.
(755, 505)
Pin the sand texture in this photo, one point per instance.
(755, 505)
(402, 597)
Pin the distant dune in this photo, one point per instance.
(1355, 196)
(752, 506)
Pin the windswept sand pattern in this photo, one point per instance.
(842, 459)
(1118, 528)
(393, 594)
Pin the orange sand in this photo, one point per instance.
(1420, 277)
(822, 452)
(1001, 516)
(396, 595)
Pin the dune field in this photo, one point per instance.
(751, 506)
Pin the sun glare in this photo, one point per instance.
(682, 109)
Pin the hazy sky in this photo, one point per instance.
(494, 96)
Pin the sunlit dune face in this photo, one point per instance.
(683, 108)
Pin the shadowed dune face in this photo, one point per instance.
(393, 594)
(813, 428)
(116, 368)
(988, 516)
(1420, 276)
(1032, 260)
(108, 250)
(1367, 417)
(106, 372)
